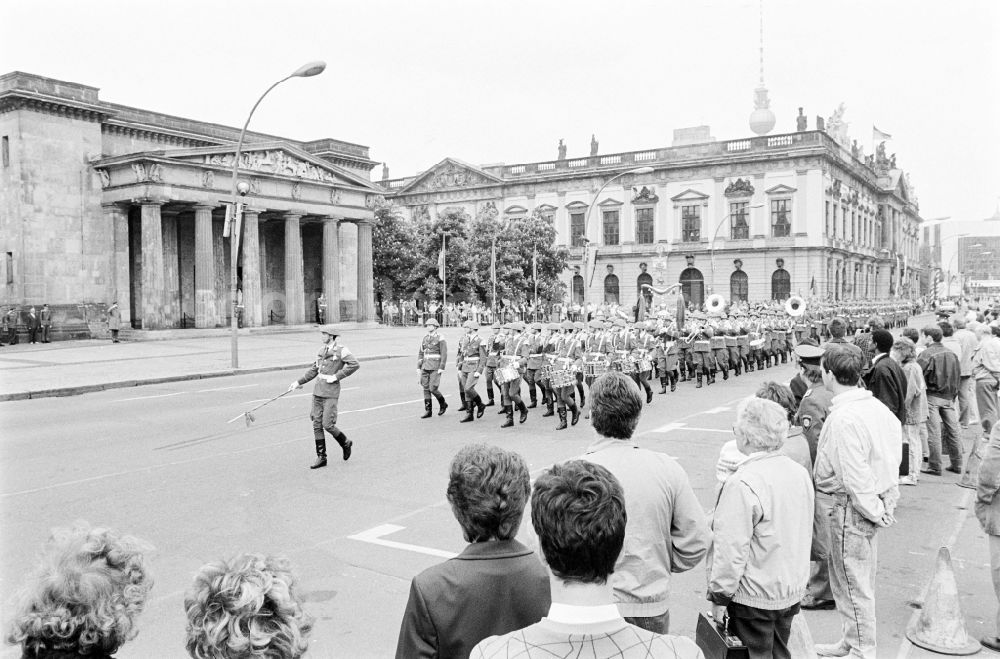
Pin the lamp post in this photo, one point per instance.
(307, 70)
(715, 234)
(586, 226)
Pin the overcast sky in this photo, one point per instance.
(503, 81)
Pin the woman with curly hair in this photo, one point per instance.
(84, 597)
(245, 608)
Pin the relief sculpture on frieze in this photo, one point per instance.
(452, 176)
(273, 162)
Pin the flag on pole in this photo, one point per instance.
(441, 263)
(812, 286)
(493, 263)
(534, 266)
(879, 136)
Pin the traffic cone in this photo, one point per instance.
(970, 476)
(941, 625)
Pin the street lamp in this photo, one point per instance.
(586, 225)
(307, 70)
(715, 234)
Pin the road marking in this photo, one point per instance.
(724, 430)
(965, 504)
(261, 400)
(123, 400)
(374, 536)
(716, 410)
(242, 386)
(379, 407)
(673, 425)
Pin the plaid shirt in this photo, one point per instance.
(864, 341)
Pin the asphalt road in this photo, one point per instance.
(161, 462)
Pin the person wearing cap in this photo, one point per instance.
(45, 316)
(549, 349)
(567, 358)
(812, 412)
(535, 343)
(333, 363)
(597, 347)
(642, 354)
(515, 354)
(431, 360)
(668, 358)
(800, 383)
(494, 346)
(701, 350)
(114, 321)
(580, 338)
(472, 360)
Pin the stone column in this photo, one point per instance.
(152, 266)
(366, 284)
(251, 270)
(331, 260)
(171, 270)
(121, 288)
(294, 280)
(205, 310)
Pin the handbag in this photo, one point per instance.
(716, 642)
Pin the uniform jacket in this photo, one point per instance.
(813, 409)
(491, 588)
(473, 356)
(887, 382)
(535, 348)
(433, 353)
(494, 346)
(517, 347)
(338, 361)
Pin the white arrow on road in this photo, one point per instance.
(374, 536)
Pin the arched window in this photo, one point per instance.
(578, 289)
(739, 286)
(693, 286)
(781, 284)
(611, 289)
(645, 278)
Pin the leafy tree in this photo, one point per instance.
(428, 237)
(393, 253)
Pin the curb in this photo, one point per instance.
(124, 384)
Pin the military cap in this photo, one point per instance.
(470, 325)
(329, 329)
(432, 321)
(538, 327)
(578, 324)
(505, 326)
(567, 325)
(620, 322)
(596, 324)
(651, 325)
(517, 325)
(496, 325)
(809, 354)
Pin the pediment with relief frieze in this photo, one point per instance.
(449, 174)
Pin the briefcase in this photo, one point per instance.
(716, 642)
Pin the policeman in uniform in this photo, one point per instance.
(472, 361)
(515, 353)
(333, 363)
(494, 345)
(431, 360)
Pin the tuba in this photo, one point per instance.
(795, 306)
(715, 305)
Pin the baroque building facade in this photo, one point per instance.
(103, 202)
(752, 219)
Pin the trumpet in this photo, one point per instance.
(795, 306)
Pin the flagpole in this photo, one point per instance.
(444, 278)
(493, 274)
(534, 275)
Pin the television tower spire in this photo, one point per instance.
(762, 120)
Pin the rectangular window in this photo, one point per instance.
(611, 227)
(781, 221)
(691, 222)
(739, 227)
(644, 226)
(6, 151)
(576, 229)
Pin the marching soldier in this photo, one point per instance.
(732, 347)
(535, 342)
(515, 356)
(701, 351)
(684, 359)
(568, 358)
(580, 339)
(642, 351)
(719, 358)
(333, 364)
(473, 360)
(494, 345)
(743, 343)
(549, 349)
(431, 360)
(596, 349)
(669, 361)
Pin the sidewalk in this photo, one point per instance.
(68, 368)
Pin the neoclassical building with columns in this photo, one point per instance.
(103, 202)
(753, 219)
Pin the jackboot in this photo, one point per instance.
(684, 377)
(441, 403)
(710, 376)
(548, 409)
(749, 363)
(468, 414)
(784, 357)
(737, 369)
(583, 396)
(480, 406)
(524, 412)
(760, 363)
(562, 419)
(465, 406)
(492, 402)
(576, 414)
(673, 382)
(320, 454)
(697, 384)
(663, 384)
(509, 411)
(725, 374)
(534, 400)
(649, 392)
(427, 409)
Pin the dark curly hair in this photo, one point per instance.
(488, 488)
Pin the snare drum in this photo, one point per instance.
(594, 369)
(645, 364)
(506, 374)
(545, 372)
(627, 366)
(563, 378)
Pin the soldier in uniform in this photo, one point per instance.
(549, 348)
(431, 360)
(743, 343)
(515, 353)
(598, 346)
(494, 345)
(811, 415)
(720, 355)
(642, 355)
(701, 349)
(333, 363)
(580, 338)
(668, 358)
(535, 343)
(732, 346)
(472, 362)
(684, 359)
(568, 357)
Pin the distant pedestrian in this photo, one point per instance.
(34, 324)
(46, 317)
(114, 321)
(333, 363)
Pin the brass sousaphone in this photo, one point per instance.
(795, 306)
(715, 305)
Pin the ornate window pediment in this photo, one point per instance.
(515, 210)
(741, 187)
(780, 189)
(689, 195)
(610, 203)
(577, 206)
(644, 195)
(546, 208)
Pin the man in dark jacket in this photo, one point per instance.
(886, 379)
(942, 375)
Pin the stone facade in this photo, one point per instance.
(840, 225)
(102, 202)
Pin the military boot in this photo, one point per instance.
(737, 368)
(443, 405)
(548, 408)
(489, 393)
(663, 384)
(524, 412)
(562, 419)
(673, 382)
(427, 409)
(320, 454)
(534, 399)
(649, 392)
(576, 415)
(583, 396)
(465, 405)
(725, 374)
(697, 384)
(784, 357)
(710, 376)
(749, 363)
(469, 411)
(509, 411)
(480, 406)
